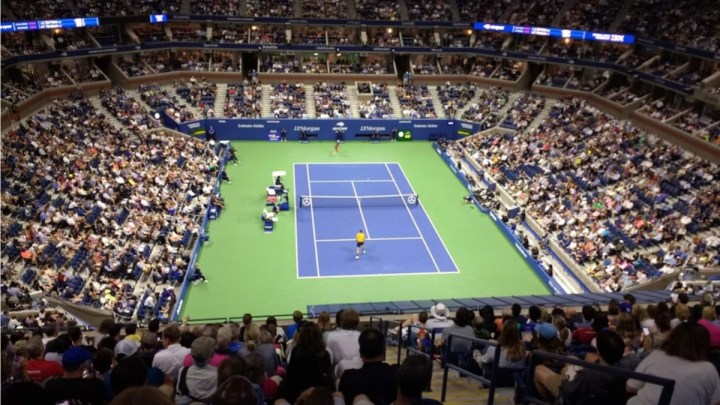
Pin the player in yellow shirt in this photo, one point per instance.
(360, 239)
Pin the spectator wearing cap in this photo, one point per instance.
(72, 387)
(438, 321)
(375, 378)
(548, 341)
(38, 369)
(198, 382)
(343, 342)
(126, 348)
(171, 358)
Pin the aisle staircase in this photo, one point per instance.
(95, 101)
(310, 101)
(266, 110)
(542, 117)
(437, 104)
(460, 391)
(620, 17)
(220, 99)
(395, 102)
(352, 96)
(470, 103)
(136, 95)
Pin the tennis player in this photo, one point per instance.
(360, 239)
(337, 147)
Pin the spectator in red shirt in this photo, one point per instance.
(585, 335)
(38, 369)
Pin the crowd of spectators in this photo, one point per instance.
(489, 40)
(659, 109)
(455, 39)
(415, 101)
(537, 13)
(97, 207)
(592, 15)
(288, 100)
(484, 67)
(160, 61)
(191, 60)
(618, 200)
(588, 80)
(214, 7)
(71, 40)
(416, 37)
(313, 66)
(426, 66)
(43, 9)
(22, 43)
(508, 70)
(434, 10)
(130, 7)
(657, 19)
(309, 36)
(244, 100)
(134, 68)
(280, 66)
(368, 68)
(482, 10)
(455, 97)
(325, 8)
(489, 104)
(555, 76)
(11, 94)
(161, 98)
(149, 32)
(331, 100)
(189, 32)
(125, 109)
(227, 34)
(379, 105)
(523, 111)
(268, 35)
(383, 37)
(378, 10)
(199, 93)
(342, 36)
(263, 8)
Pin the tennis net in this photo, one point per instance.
(328, 201)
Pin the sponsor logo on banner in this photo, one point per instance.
(251, 126)
(370, 128)
(194, 125)
(305, 128)
(340, 127)
(418, 126)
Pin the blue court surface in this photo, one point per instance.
(334, 201)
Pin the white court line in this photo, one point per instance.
(349, 181)
(457, 269)
(297, 239)
(369, 239)
(427, 273)
(345, 163)
(362, 216)
(413, 219)
(312, 221)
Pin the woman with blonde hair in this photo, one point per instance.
(324, 322)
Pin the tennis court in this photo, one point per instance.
(257, 272)
(336, 200)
